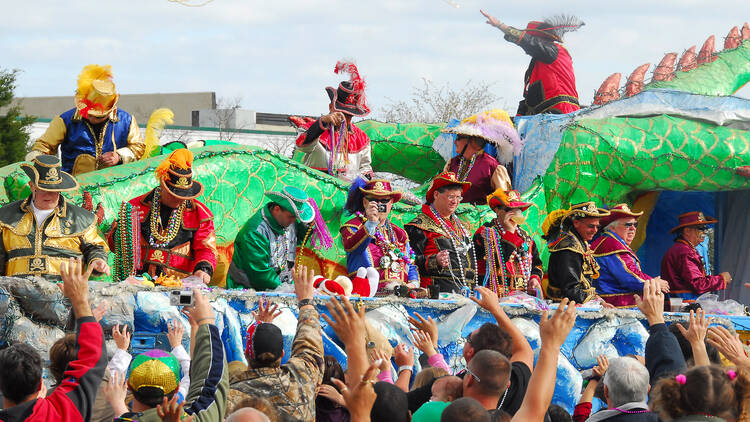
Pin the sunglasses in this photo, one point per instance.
(379, 200)
(473, 375)
(592, 226)
(633, 224)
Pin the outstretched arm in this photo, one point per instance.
(522, 351)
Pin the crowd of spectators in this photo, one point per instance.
(690, 372)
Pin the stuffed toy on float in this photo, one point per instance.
(364, 284)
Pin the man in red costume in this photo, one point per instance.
(443, 248)
(332, 144)
(682, 265)
(176, 230)
(549, 82)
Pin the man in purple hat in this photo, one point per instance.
(332, 144)
(683, 267)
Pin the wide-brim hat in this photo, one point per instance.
(586, 209)
(494, 126)
(510, 199)
(347, 100)
(445, 179)
(96, 95)
(617, 212)
(155, 369)
(294, 200)
(380, 187)
(693, 218)
(181, 184)
(46, 174)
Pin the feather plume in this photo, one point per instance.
(181, 158)
(358, 83)
(159, 118)
(89, 74)
(321, 235)
(553, 219)
(354, 197)
(562, 24)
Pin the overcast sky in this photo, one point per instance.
(278, 55)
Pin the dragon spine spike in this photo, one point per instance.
(664, 71)
(732, 40)
(634, 84)
(688, 61)
(745, 32)
(609, 89)
(706, 54)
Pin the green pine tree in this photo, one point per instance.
(14, 139)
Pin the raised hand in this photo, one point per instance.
(423, 342)
(100, 311)
(175, 330)
(602, 364)
(75, 286)
(652, 304)
(491, 20)
(331, 393)
(488, 301)
(404, 355)
(266, 311)
(553, 331)
(201, 312)
(122, 338)
(427, 325)
(378, 356)
(171, 411)
(696, 332)
(303, 282)
(115, 392)
(729, 345)
(359, 396)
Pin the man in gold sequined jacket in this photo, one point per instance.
(572, 267)
(40, 232)
(94, 134)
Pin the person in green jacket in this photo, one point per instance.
(265, 247)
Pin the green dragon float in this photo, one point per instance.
(680, 132)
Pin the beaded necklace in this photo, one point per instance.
(161, 238)
(630, 411)
(126, 260)
(279, 255)
(461, 237)
(98, 142)
(522, 255)
(462, 173)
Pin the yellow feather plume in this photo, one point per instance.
(552, 219)
(159, 118)
(496, 113)
(500, 194)
(180, 158)
(89, 74)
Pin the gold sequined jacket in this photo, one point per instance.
(70, 231)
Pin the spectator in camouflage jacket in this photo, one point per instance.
(290, 387)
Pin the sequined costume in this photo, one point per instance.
(385, 247)
(571, 269)
(28, 250)
(620, 274)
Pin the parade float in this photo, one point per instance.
(649, 144)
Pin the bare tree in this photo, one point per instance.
(226, 110)
(430, 103)
(281, 145)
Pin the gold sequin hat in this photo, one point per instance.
(156, 369)
(46, 174)
(96, 95)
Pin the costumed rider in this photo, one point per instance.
(620, 274)
(95, 133)
(39, 233)
(265, 248)
(175, 231)
(572, 268)
(473, 164)
(683, 267)
(372, 240)
(549, 82)
(508, 257)
(332, 144)
(442, 243)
